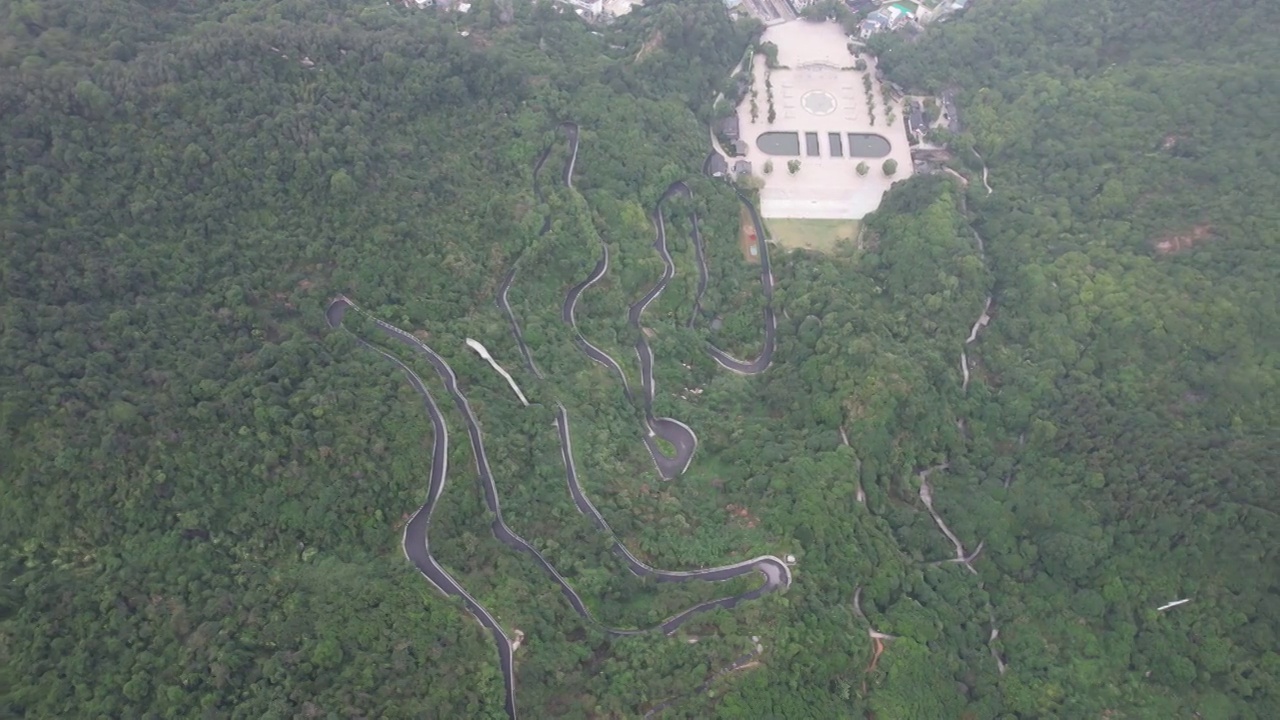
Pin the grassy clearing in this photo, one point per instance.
(665, 446)
(819, 235)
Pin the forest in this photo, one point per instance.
(203, 487)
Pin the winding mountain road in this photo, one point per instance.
(682, 440)
(680, 436)
(505, 305)
(504, 288)
(700, 258)
(568, 314)
(416, 541)
(724, 359)
(775, 573)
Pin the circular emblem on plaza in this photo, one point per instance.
(818, 102)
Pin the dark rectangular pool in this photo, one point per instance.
(866, 145)
(811, 144)
(779, 143)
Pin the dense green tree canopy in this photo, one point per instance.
(203, 486)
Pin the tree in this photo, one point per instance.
(863, 169)
(341, 184)
(793, 166)
(890, 167)
(770, 52)
(192, 379)
(931, 111)
(768, 166)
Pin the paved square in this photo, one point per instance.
(818, 93)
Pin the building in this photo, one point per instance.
(741, 167)
(859, 6)
(595, 7)
(950, 113)
(915, 121)
(871, 25)
(889, 17)
(959, 5)
(729, 128)
(731, 4)
(909, 10)
(740, 148)
(716, 165)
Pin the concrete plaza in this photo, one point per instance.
(818, 91)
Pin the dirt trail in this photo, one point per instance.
(981, 322)
(653, 43)
(877, 637)
(995, 634)
(926, 491)
(862, 496)
(982, 246)
(964, 181)
(985, 184)
(926, 496)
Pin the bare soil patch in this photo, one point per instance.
(1178, 242)
(742, 514)
(650, 45)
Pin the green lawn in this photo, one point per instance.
(820, 235)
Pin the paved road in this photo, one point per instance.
(571, 131)
(568, 310)
(416, 543)
(568, 313)
(682, 439)
(724, 359)
(505, 305)
(776, 574)
(680, 436)
(700, 258)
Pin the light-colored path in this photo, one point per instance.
(484, 353)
